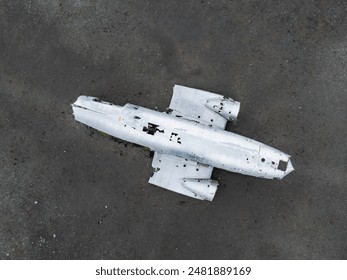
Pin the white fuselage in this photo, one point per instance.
(169, 134)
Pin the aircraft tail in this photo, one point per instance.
(96, 113)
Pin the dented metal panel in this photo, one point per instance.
(202, 188)
(226, 107)
(170, 172)
(190, 104)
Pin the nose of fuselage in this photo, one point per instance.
(273, 163)
(288, 169)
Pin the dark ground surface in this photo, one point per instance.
(67, 192)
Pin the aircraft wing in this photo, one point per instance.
(190, 104)
(183, 176)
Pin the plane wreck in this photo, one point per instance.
(188, 140)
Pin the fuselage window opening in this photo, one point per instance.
(282, 165)
(151, 128)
